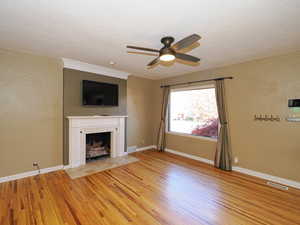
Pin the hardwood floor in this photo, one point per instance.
(161, 188)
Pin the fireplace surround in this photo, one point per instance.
(80, 126)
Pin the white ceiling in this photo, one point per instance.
(97, 31)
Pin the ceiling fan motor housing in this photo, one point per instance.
(167, 50)
(167, 41)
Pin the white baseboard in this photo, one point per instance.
(131, 149)
(50, 169)
(30, 173)
(264, 176)
(268, 177)
(66, 167)
(145, 148)
(134, 148)
(190, 156)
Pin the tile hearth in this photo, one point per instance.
(100, 165)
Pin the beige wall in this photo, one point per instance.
(30, 112)
(31, 100)
(140, 102)
(259, 87)
(73, 99)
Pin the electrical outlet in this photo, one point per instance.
(36, 164)
(236, 159)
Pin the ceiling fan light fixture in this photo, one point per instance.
(170, 52)
(167, 57)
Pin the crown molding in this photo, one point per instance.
(91, 68)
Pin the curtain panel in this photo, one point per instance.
(161, 137)
(223, 158)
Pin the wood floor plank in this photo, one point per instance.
(161, 188)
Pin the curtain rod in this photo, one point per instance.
(197, 81)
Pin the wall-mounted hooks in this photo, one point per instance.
(266, 117)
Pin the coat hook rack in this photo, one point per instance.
(271, 118)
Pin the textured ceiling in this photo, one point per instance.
(97, 32)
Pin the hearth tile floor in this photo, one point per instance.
(100, 165)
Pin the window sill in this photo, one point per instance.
(192, 136)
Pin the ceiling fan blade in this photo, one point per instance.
(143, 49)
(153, 62)
(142, 53)
(185, 42)
(187, 57)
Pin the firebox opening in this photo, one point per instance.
(97, 145)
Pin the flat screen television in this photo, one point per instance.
(97, 93)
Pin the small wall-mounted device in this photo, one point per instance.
(294, 103)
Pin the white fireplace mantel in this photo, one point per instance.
(79, 126)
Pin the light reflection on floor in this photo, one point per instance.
(184, 190)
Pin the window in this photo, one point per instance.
(194, 112)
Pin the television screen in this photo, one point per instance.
(96, 93)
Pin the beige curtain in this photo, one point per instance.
(161, 137)
(223, 152)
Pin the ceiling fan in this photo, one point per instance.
(170, 52)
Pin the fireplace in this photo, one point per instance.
(80, 129)
(97, 145)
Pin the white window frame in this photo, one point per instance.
(198, 87)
